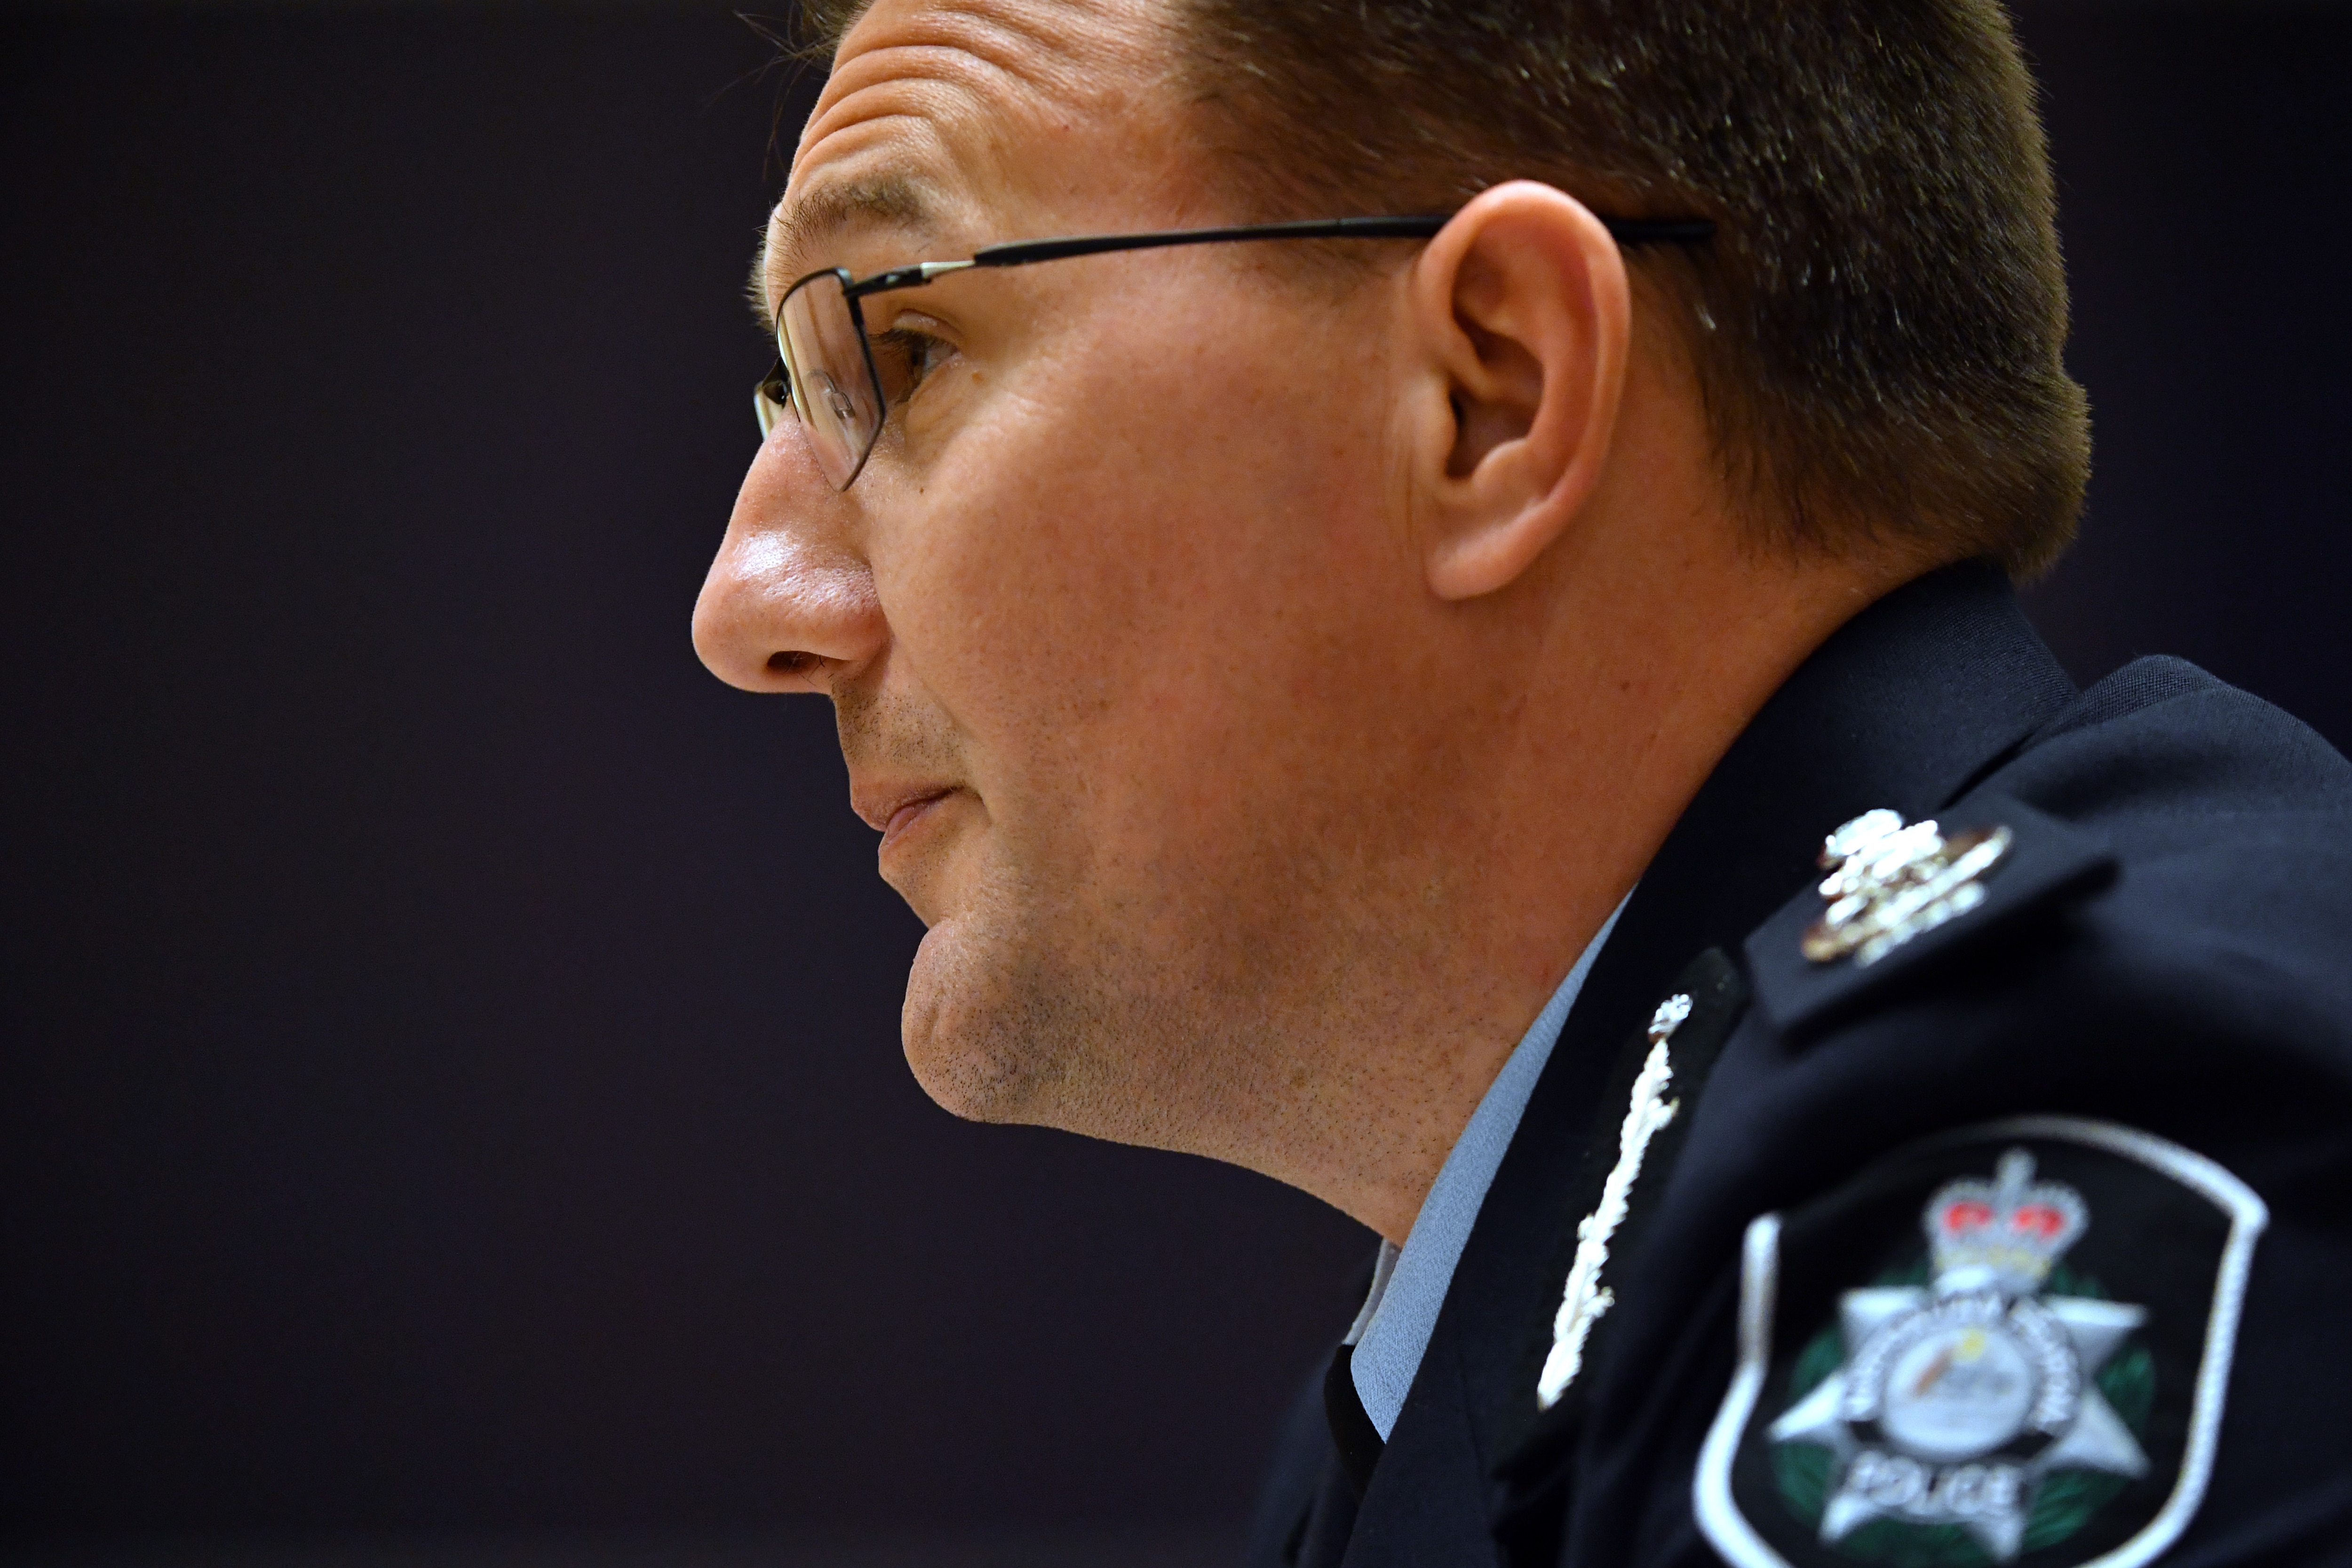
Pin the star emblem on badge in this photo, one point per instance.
(1954, 1401)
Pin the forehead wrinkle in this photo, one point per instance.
(1061, 51)
(958, 85)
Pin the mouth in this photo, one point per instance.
(904, 813)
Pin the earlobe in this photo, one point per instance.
(1469, 564)
(1526, 314)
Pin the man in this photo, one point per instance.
(1367, 701)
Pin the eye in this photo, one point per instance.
(903, 357)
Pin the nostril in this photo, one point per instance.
(791, 661)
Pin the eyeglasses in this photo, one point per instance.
(827, 372)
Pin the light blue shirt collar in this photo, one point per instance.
(1408, 1283)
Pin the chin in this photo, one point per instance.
(978, 1026)
(1017, 1015)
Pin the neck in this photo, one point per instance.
(1596, 702)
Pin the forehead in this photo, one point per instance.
(968, 121)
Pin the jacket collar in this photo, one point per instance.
(1906, 706)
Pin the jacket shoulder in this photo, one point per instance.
(2164, 840)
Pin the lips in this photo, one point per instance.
(906, 815)
(898, 812)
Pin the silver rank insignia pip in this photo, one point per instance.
(2007, 1345)
(1888, 883)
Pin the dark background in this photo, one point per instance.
(452, 1088)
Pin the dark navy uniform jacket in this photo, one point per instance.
(2158, 977)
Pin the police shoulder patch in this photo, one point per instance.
(2008, 1345)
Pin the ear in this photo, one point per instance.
(1525, 316)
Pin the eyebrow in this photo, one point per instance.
(821, 216)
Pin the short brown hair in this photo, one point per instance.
(1876, 325)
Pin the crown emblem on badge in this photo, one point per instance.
(1888, 883)
(2005, 1233)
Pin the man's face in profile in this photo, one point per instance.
(1116, 616)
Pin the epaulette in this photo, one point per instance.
(1901, 900)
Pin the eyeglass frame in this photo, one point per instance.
(774, 392)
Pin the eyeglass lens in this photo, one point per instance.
(832, 378)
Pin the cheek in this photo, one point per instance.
(1139, 573)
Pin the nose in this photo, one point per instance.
(789, 605)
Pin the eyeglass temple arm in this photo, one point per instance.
(1021, 251)
(1624, 231)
